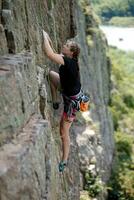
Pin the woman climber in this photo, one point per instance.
(68, 79)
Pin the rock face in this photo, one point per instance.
(30, 146)
(19, 89)
(95, 70)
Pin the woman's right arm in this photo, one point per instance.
(55, 57)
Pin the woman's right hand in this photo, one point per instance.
(46, 37)
(50, 51)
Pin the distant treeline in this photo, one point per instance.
(107, 9)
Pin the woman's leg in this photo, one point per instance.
(54, 84)
(64, 132)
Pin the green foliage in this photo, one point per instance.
(122, 106)
(92, 20)
(95, 1)
(129, 100)
(107, 9)
(122, 21)
(122, 180)
(93, 184)
(84, 195)
(122, 103)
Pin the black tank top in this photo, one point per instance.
(70, 77)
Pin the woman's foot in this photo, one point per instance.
(62, 166)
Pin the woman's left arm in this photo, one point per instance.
(47, 47)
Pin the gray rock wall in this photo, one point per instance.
(30, 146)
(23, 21)
(95, 77)
(19, 90)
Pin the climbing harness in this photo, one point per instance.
(79, 102)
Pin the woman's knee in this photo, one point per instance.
(54, 78)
(53, 75)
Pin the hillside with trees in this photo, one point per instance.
(110, 9)
(121, 186)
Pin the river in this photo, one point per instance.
(122, 38)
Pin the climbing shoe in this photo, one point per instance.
(55, 105)
(62, 166)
